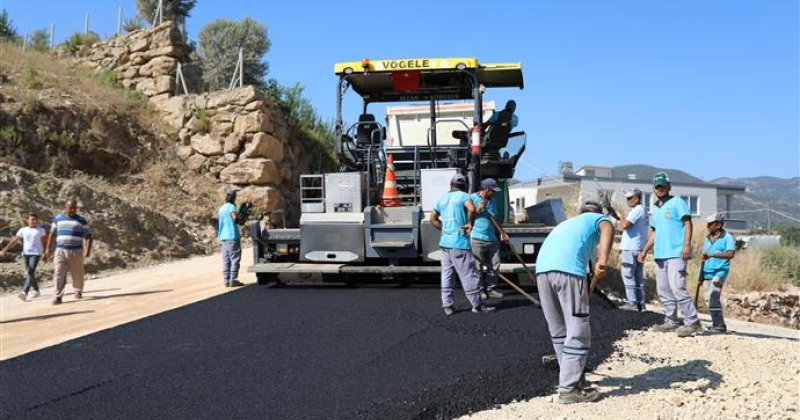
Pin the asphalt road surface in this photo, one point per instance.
(301, 352)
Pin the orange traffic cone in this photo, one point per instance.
(391, 198)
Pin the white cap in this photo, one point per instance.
(715, 217)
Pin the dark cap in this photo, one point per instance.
(489, 183)
(660, 178)
(458, 179)
(591, 206)
(230, 195)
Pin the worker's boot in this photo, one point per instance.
(578, 395)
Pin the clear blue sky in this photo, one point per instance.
(709, 87)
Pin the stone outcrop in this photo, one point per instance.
(236, 138)
(773, 308)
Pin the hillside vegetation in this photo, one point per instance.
(68, 132)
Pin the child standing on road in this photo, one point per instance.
(32, 237)
(718, 250)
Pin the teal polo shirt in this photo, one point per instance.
(571, 244)
(667, 221)
(482, 227)
(453, 215)
(227, 230)
(719, 267)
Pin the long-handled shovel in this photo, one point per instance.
(699, 284)
(511, 283)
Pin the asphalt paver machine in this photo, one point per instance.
(370, 220)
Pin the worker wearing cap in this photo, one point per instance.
(454, 215)
(229, 237)
(563, 291)
(484, 237)
(718, 250)
(634, 235)
(671, 238)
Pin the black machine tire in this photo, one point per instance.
(264, 278)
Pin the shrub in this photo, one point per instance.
(31, 79)
(203, 123)
(219, 44)
(784, 261)
(135, 23)
(79, 43)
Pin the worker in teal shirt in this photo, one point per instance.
(230, 241)
(718, 250)
(671, 238)
(563, 290)
(483, 239)
(454, 215)
(511, 107)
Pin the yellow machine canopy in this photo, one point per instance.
(418, 79)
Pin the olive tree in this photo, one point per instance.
(177, 10)
(219, 44)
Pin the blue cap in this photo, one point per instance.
(489, 183)
(458, 179)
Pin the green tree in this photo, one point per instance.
(7, 30)
(177, 10)
(39, 40)
(219, 43)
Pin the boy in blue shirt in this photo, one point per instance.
(229, 236)
(671, 239)
(483, 239)
(718, 250)
(454, 215)
(564, 293)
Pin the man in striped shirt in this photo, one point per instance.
(73, 241)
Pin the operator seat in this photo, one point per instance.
(365, 132)
(498, 133)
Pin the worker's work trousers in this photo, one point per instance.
(231, 257)
(489, 253)
(68, 260)
(30, 261)
(632, 277)
(565, 303)
(459, 264)
(671, 288)
(713, 293)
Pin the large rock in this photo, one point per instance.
(264, 145)
(233, 143)
(164, 84)
(253, 123)
(147, 87)
(267, 198)
(184, 152)
(195, 161)
(251, 171)
(139, 45)
(207, 145)
(159, 66)
(240, 96)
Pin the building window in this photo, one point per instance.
(590, 172)
(692, 202)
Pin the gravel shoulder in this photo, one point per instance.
(751, 372)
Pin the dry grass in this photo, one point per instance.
(42, 76)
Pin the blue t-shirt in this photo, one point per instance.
(482, 227)
(634, 237)
(227, 226)
(667, 221)
(719, 267)
(70, 231)
(453, 215)
(570, 245)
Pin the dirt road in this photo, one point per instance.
(109, 301)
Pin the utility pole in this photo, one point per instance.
(119, 20)
(52, 35)
(769, 221)
(86, 25)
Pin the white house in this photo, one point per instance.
(703, 198)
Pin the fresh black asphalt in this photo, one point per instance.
(301, 352)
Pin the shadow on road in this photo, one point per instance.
(43, 317)
(666, 377)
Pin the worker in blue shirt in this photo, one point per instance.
(563, 290)
(717, 253)
(511, 107)
(484, 237)
(230, 241)
(454, 215)
(671, 238)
